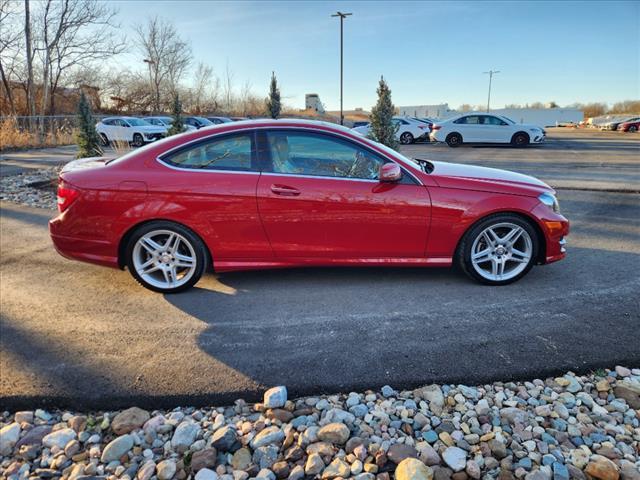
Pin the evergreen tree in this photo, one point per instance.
(177, 125)
(382, 129)
(87, 137)
(273, 101)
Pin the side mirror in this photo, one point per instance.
(390, 172)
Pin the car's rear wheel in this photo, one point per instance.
(166, 257)
(499, 250)
(104, 140)
(454, 140)
(632, 129)
(520, 139)
(138, 141)
(406, 138)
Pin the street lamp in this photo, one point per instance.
(491, 73)
(342, 17)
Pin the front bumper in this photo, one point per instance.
(539, 137)
(555, 228)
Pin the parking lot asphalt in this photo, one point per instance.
(78, 335)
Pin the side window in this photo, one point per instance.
(461, 121)
(489, 120)
(233, 152)
(473, 120)
(320, 155)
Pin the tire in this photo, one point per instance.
(104, 141)
(166, 257)
(406, 138)
(138, 141)
(454, 140)
(480, 259)
(632, 129)
(520, 139)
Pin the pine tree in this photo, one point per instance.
(382, 129)
(273, 101)
(177, 125)
(87, 137)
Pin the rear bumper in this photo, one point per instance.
(100, 252)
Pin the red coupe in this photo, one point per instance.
(289, 193)
(630, 126)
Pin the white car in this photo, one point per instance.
(486, 128)
(129, 129)
(167, 122)
(408, 130)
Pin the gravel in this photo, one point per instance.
(569, 427)
(17, 189)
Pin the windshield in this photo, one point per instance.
(507, 119)
(136, 122)
(204, 121)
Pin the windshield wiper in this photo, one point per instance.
(425, 165)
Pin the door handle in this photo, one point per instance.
(284, 190)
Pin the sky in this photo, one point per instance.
(429, 52)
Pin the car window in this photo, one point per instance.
(234, 152)
(490, 120)
(461, 121)
(472, 120)
(108, 122)
(320, 155)
(121, 123)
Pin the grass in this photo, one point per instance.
(13, 137)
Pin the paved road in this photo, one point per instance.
(83, 336)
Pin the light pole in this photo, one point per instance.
(491, 73)
(342, 17)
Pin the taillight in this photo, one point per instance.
(436, 127)
(66, 195)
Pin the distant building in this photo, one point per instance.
(312, 102)
(421, 111)
(545, 117)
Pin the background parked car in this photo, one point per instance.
(360, 124)
(198, 122)
(408, 130)
(219, 120)
(630, 126)
(486, 128)
(166, 122)
(613, 125)
(129, 129)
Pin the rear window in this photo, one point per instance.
(231, 152)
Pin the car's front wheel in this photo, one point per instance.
(138, 141)
(166, 257)
(520, 139)
(499, 250)
(406, 138)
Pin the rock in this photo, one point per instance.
(147, 470)
(184, 436)
(280, 470)
(482, 407)
(265, 456)
(498, 449)
(387, 391)
(314, 465)
(337, 433)
(602, 468)
(265, 474)
(241, 459)
(129, 420)
(23, 417)
(629, 392)
(428, 454)
(275, 397)
(72, 448)
(337, 468)
(433, 394)
(399, 451)
(203, 459)
(473, 469)
(34, 436)
(116, 448)
(206, 474)
(628, 471)
(579, 458)
(267, 436)
(603, 385)
(560, 471)
(413, 469)
(622, 371)
(59, 438)
(455, 458)
(78, 423)
(9, 436)
(224, 438)
(166, 469)
(297, 473)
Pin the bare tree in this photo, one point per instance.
(202, 81)
(29, 59)
(228, 89)
(9, 48)
(166, 54)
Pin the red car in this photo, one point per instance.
(629, 126)
(288, 193)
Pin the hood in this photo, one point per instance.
(472, 177)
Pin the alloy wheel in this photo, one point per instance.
(164, 259)
(501, 251)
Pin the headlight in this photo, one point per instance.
(550, 201)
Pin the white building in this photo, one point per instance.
(312, 102)
(544, 117)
